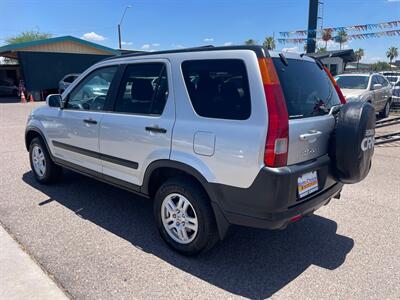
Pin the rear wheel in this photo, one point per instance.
(184, 216)
(44, 169)
(385, 112)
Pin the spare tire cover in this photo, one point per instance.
(352, 144)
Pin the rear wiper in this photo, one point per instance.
(283, 59)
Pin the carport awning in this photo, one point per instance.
(43, 71)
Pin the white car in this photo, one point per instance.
(373, 88)
(394, 79)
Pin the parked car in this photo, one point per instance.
(216, 136)
(7, 88)
(395, 82)
(66, 81)
(373, 88)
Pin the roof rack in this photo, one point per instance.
(259, 50)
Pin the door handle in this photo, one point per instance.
(90, 121)
(156, 129)
(310, 136)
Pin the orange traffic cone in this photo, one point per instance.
(30, 98)
(23, 99)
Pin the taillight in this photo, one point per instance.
(337, 88)
(276, 146)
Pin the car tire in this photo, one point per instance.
(44, 169)
(184, 216)
(386, 110)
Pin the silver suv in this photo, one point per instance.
(216, 136)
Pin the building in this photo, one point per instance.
(336, 60)
(43, 63)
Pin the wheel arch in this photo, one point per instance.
(178, 168)
(32, 132)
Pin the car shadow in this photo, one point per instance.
(249, 262)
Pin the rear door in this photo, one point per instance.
(386, 89)
(309, 96)
(378, 99)
(139, 129)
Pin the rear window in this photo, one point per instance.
(218, 88)
(352, 82)
(307, 88)
(392, 79)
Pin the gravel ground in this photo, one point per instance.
(100, 242)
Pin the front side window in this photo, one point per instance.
(143, 90)
(218, 88)
(374, 81)
(91, 93)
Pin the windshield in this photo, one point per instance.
(352, 82)
(307, 88)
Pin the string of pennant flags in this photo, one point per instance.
(360, 36)
(365, 27)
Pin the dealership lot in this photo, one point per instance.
(101, 242)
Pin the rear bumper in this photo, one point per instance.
(272, 200)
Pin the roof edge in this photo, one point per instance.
(11, 47)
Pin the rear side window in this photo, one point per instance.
(143, 90)
(307, 88)
(218, 88)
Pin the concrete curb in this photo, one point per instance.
(20, 276)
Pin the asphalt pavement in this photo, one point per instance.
(100, 242)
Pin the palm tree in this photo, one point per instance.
(359, 53)
(341, 37)
(269, 43)
(250, 42)
(326, 36)
(392, 53)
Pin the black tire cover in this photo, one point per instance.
(352, 143)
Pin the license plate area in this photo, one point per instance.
(307, 184)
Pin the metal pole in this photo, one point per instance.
(312, 25)
(119, 36)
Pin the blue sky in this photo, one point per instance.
(166, 24)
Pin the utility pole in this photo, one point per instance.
(119, 37)
(312, 25)
(119, 27)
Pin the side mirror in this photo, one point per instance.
(377, 86)
(54, 100)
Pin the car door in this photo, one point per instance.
(139, 130)
(74, 132)
(386, 89)
(378, 99)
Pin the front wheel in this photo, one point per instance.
(184, 216)
(44, 169)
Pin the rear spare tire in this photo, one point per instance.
(353, 141)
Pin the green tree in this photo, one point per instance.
(250, 42)
(326, 36)
(28, 36)
(321, 49)
(392, 53)
(359, 53)
(269, 43)
(341, 38)
(380, 66)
